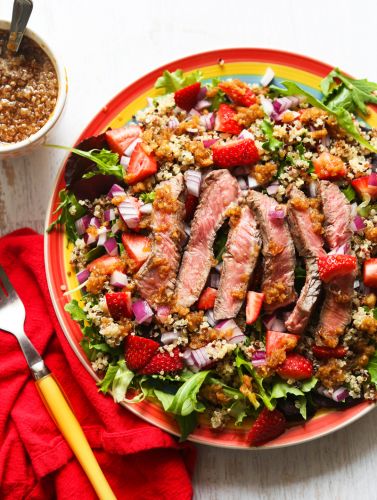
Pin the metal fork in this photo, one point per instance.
(12, 318)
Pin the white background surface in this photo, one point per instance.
(107, 45)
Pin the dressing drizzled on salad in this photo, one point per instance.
(224, 243)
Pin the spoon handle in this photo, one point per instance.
(20, 17)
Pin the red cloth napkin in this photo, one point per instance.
(139, 460)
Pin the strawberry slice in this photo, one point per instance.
(119, 139)
(163, 362)
(253, 306)
(239, 92)
(361, 185)
(187, 97)
(328, 166)
(370, 273)
(191, 203)
(269, 425)
(235, 153)
(225, 121)
(322, 352)
(207, 298)
(106, 265)
(138, 351)
(277, 345)
(138, 248)
(295, 367)
(119, 305)
(141, 166)
(334, 265)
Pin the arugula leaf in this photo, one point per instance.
(220, 96)
(165, 398)
(308, 385)
(343, 116)
(372, 368)
(349, 193)
(238, 410)
(176, 80)
(121, 381)
(350, 94)
(105, 383)
(185, 401)
(106, 161)
(94, 253)
(220, 242)
(70, 210)
(300, 276)
(186, 424)
(301, 403)
(76, 312)
(271, 144)
(282, 389)
(242, 363)
(148, 197)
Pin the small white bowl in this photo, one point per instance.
(13, 149)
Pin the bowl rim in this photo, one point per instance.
(61, 99)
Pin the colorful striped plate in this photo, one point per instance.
(248, 65)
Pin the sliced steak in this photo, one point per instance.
(278, 252)
(337, 212)
(242, 250)
(219, 190)
(156, 279)
(309, 245)
(337, 306)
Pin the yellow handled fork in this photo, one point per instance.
(12, 318)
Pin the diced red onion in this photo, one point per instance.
(210, 317)
(238, 339)
(95, 222)
(202, 93)
(118, 279)
(194, 112)
(242, 170)
(281, 104)
(130, 212)
(125, 161)
(252, 182)
(111, 247)
(341, 250)
(109, 214)
(173, 122)
(357, 224)
(354, 209)
(131, 147)
(207, 121)
(146, 209)
(193, 180)
(276, 213)
(142, 311)
(267, 77)
(82, 276)
(372, 179)
(116, 227)
(214, 279)
(219, 267)
(274, 323)
(82, 224)
(258, 358)
(242, 183)
(169, 337)
(102, 236)
(340, 394)
(90, 238)
(115, 190)
(246, 134)
(313, 189)
(202, 104)
(230, 324)
(207, 143)
(162, 312)
(272, 188)
(267, 106)
(187, 356)
(201, 357)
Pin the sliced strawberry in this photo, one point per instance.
(137, 246)
(253, 306)
(295, 367)
(141, 166)
(191, 203)
(235, 153)
(225, 120)
(119, 305)
(163, 362)
(322, 352)
(207, 298)
(138, 351)
(106, 265)
(328, 166)
(269, 425)
(120, 138)
(370, 273)
(277, 346)
(187, 97)
(361, 185)
(335, 265)
(239, 92)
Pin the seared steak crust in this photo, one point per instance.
(157, 277)
(242, 250)
(219, 190)
(278, 252)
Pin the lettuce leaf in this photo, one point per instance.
(372, 368)
(172, 81)
(271, 144)
(242, 363)
(121, 381)
(105, 384)
(75, 310)
(148, 197)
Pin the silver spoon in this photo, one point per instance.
(20, 17)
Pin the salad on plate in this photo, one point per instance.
(225, 247)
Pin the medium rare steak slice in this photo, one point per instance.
(157, 277)
(309, 245)
(278, 252)
(337, 306)
(242, 250)
(219, 190)
(337, 212)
